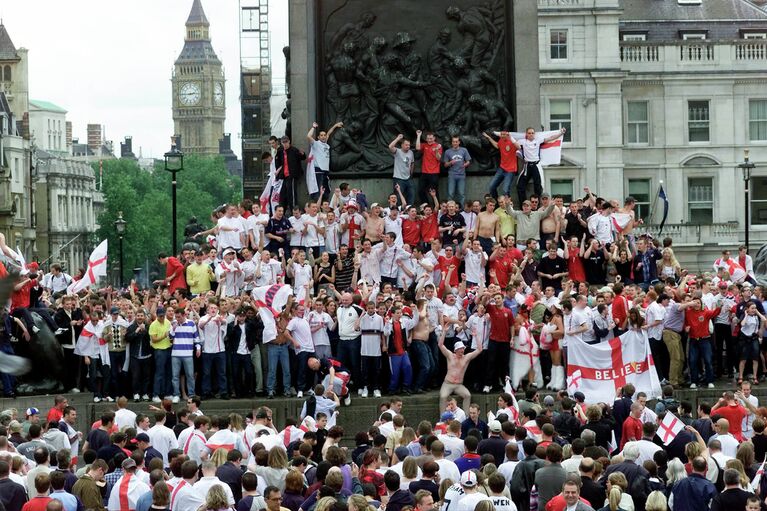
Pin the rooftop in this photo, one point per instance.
(7, 48)
(707, 10)
(197, 15)
(46, 105)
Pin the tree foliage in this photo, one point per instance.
(144, 197)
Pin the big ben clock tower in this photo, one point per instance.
(199, 103)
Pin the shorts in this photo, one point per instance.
(749, 348)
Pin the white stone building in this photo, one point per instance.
(661, 91)
(47, 126)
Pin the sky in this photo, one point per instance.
(110, 63)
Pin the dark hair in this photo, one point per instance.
(391, 480)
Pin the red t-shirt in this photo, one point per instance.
(508, 155)
(36, 504)
(178, 281)
(54, 414)
(558, 503)
(632, 430)
(3, 271)
(698, 323)
(734, 414)
(501, 323)
(620, 310)
(411, 231)
(575, 268)
(429, 228)
(432, 156)
(444, 266)
(20, 298)
(502, 267)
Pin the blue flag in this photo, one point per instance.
(662, 196)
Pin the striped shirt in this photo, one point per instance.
(184, 337)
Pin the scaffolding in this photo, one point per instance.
(255, 93)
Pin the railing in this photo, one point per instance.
(716, 233)
(738, 55)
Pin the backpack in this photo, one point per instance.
(719, 483)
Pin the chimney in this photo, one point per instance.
(69, 134)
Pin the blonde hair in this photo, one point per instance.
(357, 503)
(218, 457)
(408, 435)
(656, 501)
(325, 504)
(614, 496)
(618, 479)
(738, 465)
(484, 505)
(410, 468)
(216, 498)
(277, 458)
(671, 258)
(236, 422)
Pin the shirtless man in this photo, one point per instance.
(457, 363)
(420, 345)
(374, 224)
(628, 208)
(488, 228)
(550, 224)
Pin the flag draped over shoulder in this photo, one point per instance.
(97, 267)
(126, 492)
(598, 370)
(551, 152)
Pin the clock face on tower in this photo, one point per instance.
(189, 94)
(218, 94)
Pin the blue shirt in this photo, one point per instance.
(69, 501)
(456, 157)
(469, 461)
(143, 503)
(693, 493)
(184, 337)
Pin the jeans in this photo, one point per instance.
(116, 374)
(349, 356)
(161, 370)
(242, 374)
(422, 356)
(701, 348)
(188, 365)
(407, 188)
(400, 366)
(141, 374)
(95, 370)
(371, 372)
(501, 176)
(209, 360)
(302, 358)
(278, 355)
(456, 189)
(258, 373)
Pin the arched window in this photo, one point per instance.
(7, 74)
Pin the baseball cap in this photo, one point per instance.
(142, 437)
(352, 204)
(229, 251)
(32, 411)
(402, 452)
(128, 463)
(114, 310)
(160, 311)
(548, 401)
(723, 285)
(495, 427)
(446, 416)
(469, 478)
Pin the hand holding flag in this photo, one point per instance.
(97, 267)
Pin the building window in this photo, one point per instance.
(558, 45)
(700, 200)
(560, 116)
(757, 120)
(563, 187)
(640, 190)
(691, 36)
(698, 121)
(7, 74)
(634, 37)
(754, 35)
(638, 122)
(759, 200)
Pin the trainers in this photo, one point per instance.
(711, 385)
(136, 397)
(35, 329)
(359, 392)
(364, 392)
(486, 389)
(376, 393)
(175, 399)
(96, 399)
(270, 395)
(693, 386)
(109, 399)
(300, 394)
(74, 390)
(348, 400)
(145, 397)
(156, 399)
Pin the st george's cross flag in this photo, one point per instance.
(670, 428)
(97, 267)
(225, 439)
(757, 480)
(311, 175)
(550, 152)
(126, 492)
(598, 370)
(270, 197)
(271, 301)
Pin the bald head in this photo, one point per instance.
(723, 425)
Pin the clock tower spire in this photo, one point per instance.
(199, 104)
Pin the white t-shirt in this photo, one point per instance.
(312, 236)
(332, 237)
(655, 312)
(269, 272)
(502, 503)
(475, 273)
(470, 501)
(321, 154)
(302, 333)
(448, 470)
(454, 447)
(125, 418)
(394, 225)
(572, 321)
(433, 308)
(301, 275)
(451, 311)
(453, 497)
(231, 238)
(320, 337)
(371, 342)
(479, 327)
(297, 236)
(531, 149)
(163, 440)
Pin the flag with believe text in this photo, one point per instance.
(598, 370)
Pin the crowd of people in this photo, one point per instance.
(474, 296)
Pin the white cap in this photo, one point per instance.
(459, 346)
(468, 478)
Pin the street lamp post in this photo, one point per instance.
(747, 167)
(174, 162)
(120, 228)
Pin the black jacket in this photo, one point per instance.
(233, 333)
(63, 320)
(295, 157)
(139, 341)
(567, 425)
(593, 492)
(522, 481)
(12, 495)
(231, 474)
(637, 477)
(400, 499)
